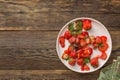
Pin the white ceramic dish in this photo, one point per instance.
(98, 29)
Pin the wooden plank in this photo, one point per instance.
(51, 21)
(45, 75)
(91, 6)
(52, 15)
(36, 50)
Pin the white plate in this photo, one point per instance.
(97, 29)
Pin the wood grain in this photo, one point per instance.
(44, 75)
(33, 14)
(36, 50)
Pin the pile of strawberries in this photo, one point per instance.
(79, 50)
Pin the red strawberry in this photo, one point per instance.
(80, 36)
(87, 24)
(98, 40)
(88, 51)
(73, 55)
(67, 35)
(94, 62)
(103, 47)
(65, 56)
(80, 61)
(95, 45)
(80, 51)
(78, 55)
(103, 55)
(85, 67)
(82, 42)
(66, 52)
(85, 33)
(71, 61)
(72, 40)
(71, 48)
(77, 41)
(103, 38)
(62, 41)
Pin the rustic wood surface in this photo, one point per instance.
(28, 31)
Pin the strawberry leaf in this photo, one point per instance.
(73, 33)
(71, 27)
(79, 31)
(86, 60)
(79, 24)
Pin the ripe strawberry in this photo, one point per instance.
(80, 36)
(85, 67)
(82, 42)
(86, 35)
(65, 56)
(87, 24)
(98, 40)
(73, 55)
(80, 61)
(94, 62)
(62, 41)
(88, 51)
(71, 61)
(103, 47)
(67, 34)
(72, 40)
(77, 41)
(95, 45)
(103, 38)
(103, 55)
(78, 55)
(80, 51)
(71, 48)
(66, 52)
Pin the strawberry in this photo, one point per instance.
(85, 33)
(62, 41)
(71, 61)
(103, 47)
(94, 61)
(87, 24)
(77, 41)
(88, 51)
(78, 55)
(82, 42)
(72, 40)
(71, 48)
(98, 40)
(65, 56)
(103, 55)
(85, 67)
(80, 61)
(73, 55)
(66, 52)
(80, 36)
(103, 38)
(95, 45)
(67, 34)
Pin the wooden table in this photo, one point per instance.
(28, 31)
